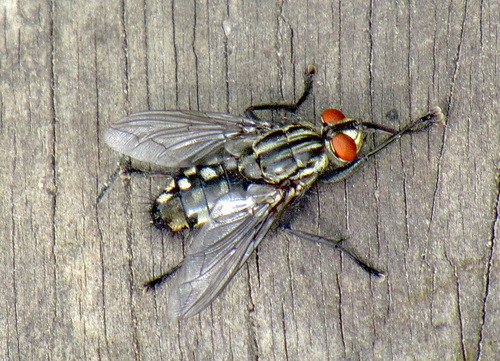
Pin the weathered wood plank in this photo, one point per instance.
(28, 266)
(425, 210)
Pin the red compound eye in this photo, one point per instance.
(332, 116)
(345, 147)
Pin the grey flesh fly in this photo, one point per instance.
(236, 175)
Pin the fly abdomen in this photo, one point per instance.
(188, 198)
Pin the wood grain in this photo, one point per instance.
(425, 211)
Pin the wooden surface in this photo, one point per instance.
(425, 211)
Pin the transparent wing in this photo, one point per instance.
(239, 222)
(180, 138)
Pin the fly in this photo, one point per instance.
(237, 174)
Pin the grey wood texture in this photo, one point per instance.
(425, 210)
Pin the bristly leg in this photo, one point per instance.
(292, 108)
(435, 116)
(336, 244)
(107, 184)
(155, 282)
(124, 171)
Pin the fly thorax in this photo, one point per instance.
(285, 154)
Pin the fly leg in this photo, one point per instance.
(336, 244)
(338, 174)
(155, 282)
(124, 171)
(292, 108)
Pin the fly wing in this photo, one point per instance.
(238, 223)
(180, 138)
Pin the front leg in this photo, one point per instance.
(341, 173)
